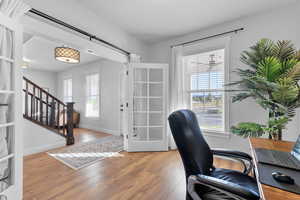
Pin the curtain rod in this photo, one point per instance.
(90, 36)
(208, 37)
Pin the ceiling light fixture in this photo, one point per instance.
(67, 54)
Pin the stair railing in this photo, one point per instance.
(48, 111)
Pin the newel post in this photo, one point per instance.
(70, 134)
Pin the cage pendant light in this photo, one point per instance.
(67, 54)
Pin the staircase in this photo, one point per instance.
(45, 110)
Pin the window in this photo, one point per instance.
(204, 74)
(92, 96)
(67, 85)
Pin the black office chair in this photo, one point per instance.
(204, 181)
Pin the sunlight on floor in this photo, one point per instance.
(86, 155)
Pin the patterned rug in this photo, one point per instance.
(85, 154)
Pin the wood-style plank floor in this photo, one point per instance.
(134, 176)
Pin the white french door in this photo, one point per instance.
(10, 110)
(148, 100)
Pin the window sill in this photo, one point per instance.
(92, 118)
(217, 134)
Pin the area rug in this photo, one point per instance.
(85, 154)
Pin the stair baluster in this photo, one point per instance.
(47, 109)
(41, 107)
(26, 100)
(52, 114)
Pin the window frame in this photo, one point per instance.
(212, 45)
(87, 96)
(63, 84)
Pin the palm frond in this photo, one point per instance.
(297, 55)
(269, 104)
(294, 72)
(278, 123)
(245, 72)
(291, 109)
(262, 49)
(256, 87)
(286, 92)
(241, 97)
(284, 50)
(287, 65)
(269, 68)
(248, 129)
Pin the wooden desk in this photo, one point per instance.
(268, 192)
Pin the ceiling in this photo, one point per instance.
(39, 53)
(155, 20)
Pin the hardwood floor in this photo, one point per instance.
(134, 176)
(85, 135)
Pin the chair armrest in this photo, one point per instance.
(231, 153)
(233, 190)
(237, 155)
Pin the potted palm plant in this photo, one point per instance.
(271, 79)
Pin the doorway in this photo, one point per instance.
(95, 59)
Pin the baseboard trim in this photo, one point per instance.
(39, 149)
(109, 131)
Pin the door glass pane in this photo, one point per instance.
(139, 133)
(140, 89)
(140, 104)
(140, 75)
(140, 119)
(5, 74)
(156, 90)
(8, 133)
(5, 117)
(155, 119)
(5, 174)
(8, 42)
(156, 75)
(208, 107)
(156, 133)
(156, 105)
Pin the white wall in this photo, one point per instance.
(109, 120)
(277, 25)
(38, 139)
(44, 79)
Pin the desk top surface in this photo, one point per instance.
(268, 192)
